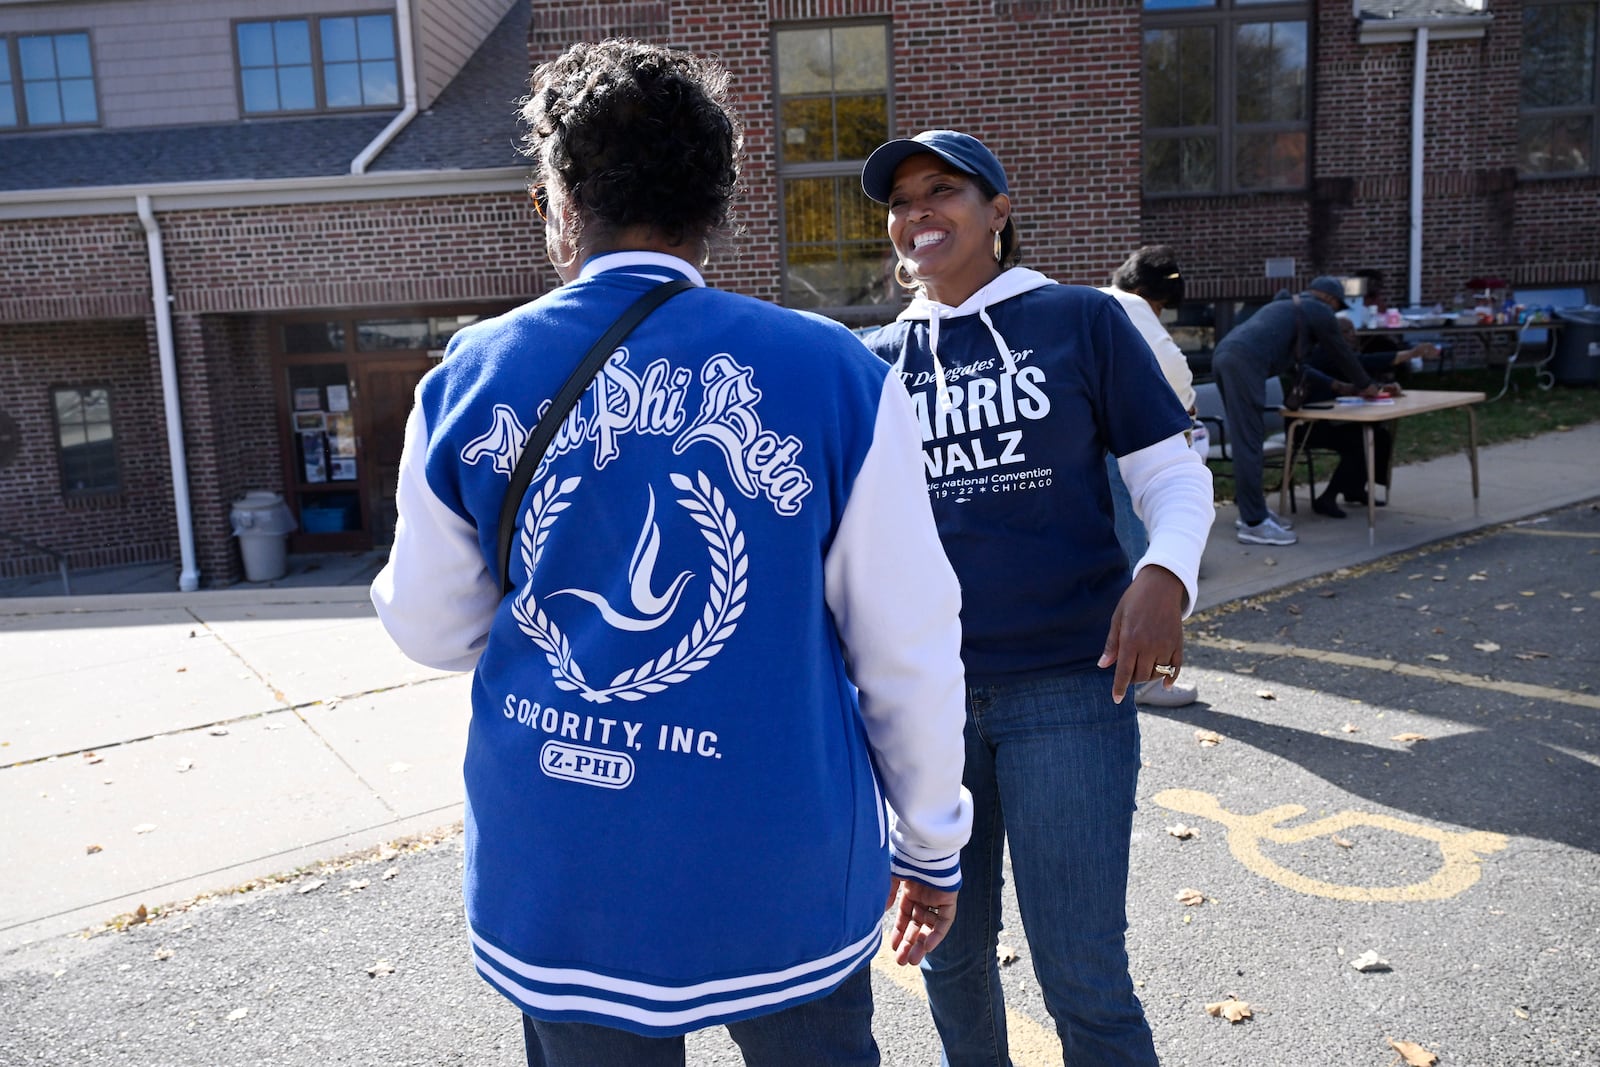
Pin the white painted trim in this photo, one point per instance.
(1439, 27)
(270, 192)
(189, 576)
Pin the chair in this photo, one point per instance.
(1535, 343)
(1209, 410)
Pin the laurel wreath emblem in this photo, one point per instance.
(725, 594)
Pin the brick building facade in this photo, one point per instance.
(266, 238)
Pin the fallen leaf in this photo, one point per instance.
(381, 968)
(1190, 897)
(92, 849)
(1006, 955)
(1235, 1011)
(1182, 832)
(1439, 657)
(357, 883)
(1486, 646)
(237, 1013)
(1351, 728)
(144, 827)
(184, 765)
(1519, 1013)
(1327, 594)
(1266, 694)
(1504, 607)
(218, 731)
(1293, 609)
(141, 914)
(1343, 842)
(1208, 738)
(1533, 655)
(1440, 578)
(1370, 961)
(390, 873)
(1480, 576)
(1564, 595)
(162, 953)
(90, 757)
(1402, 596)
(1409, 737)
(1414, 1054)
(1527, 592)
(315, 883)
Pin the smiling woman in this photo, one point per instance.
(1022, 387)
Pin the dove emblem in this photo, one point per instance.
(650, 610)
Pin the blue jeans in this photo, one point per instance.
(1131, 534)
(1052, 765)
(831, 1030)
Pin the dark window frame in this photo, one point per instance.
(317, 63)
(1589, 109)
(9, 45)
(1225, 17)
(68, 490)
(847, 171)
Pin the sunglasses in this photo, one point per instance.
(541, 202)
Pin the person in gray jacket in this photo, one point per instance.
(1265, 345)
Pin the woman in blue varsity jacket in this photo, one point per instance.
(1021, 386)
(731, 633)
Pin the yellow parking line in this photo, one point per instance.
(1434, 674)
(1031, 1044)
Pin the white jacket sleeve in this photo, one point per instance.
(897, 604)
(1171, 489)
(435, 596)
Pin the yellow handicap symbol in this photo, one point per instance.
(1460, 850)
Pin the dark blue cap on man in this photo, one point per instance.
(962, 151)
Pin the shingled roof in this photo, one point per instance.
(471, 126)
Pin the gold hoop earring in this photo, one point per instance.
(906, 280)
(998, 249)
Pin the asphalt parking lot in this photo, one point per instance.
(1401, 759)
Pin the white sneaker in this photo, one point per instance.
(1287, 524)
(1151, 694)
(1265, 532)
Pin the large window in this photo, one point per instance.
(833, 110)
(1560, 124)
(1225, 96)
(85, 439)
(332, 63)
(47, 80)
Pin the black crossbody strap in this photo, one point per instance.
(539, 440)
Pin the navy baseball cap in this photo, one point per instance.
(962, 151)
(1328, 285)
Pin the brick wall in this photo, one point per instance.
(134, 525)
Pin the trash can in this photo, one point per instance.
(262, 522)
(1577, 359)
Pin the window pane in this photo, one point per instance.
(1180, 78)
(38, 57)
(1556, 145)
(1270, 59)
(860, 58)
(862, 219)
(1172, 5)
(255, 44)
(378, 85)
(44, 105)
(809, 212)
(1270, 160)
(805, 62)
(5, 64)
(376, 33)
(807, 130)
(339, 40)
(1558, 42)
(374, 335)
(8, 106)
(260, 89)
(341, 83)
(295, 91)
(77, 101)
(304, 337)
(72, 56)
(863, 124)
(1180, 165)
(293, 40)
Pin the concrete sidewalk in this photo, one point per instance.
(157, 745)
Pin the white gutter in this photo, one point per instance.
(408, 81)
(1419, 100)
(1440, 27)
(189, 576)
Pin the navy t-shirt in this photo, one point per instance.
(1016, 467)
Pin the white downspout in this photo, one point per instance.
(1419, 99)
(408, 83)
(189, 576)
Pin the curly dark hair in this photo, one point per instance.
(1152, 272)
(636, 133)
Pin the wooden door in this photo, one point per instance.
(384, 390)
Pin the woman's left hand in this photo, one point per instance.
(1146, 631)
